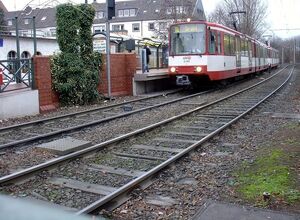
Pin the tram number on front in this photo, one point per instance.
(186, 59)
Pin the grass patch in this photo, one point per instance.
(269, 173)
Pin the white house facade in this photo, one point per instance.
(45, 46)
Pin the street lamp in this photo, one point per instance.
(18, 78)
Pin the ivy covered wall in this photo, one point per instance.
(75, 70)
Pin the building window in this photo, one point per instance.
(9, 22)
(162, 26)
(99, 15)
(180, 10)
(169, 10)
(25, 55)
(44, 18)
(121, 13)
(24, 33)
(132, 12)
(26, 21)
(126, 12)
(118, 27)
(136, 27)
(151, 26)
(11, 56)
(53, 32)
(99, 28)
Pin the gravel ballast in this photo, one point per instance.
(212, 165)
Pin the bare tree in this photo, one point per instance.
(248, 16)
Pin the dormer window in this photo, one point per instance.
(177, 10)
(99, 15)
(43, 18)
(180, 10)
(131, 12)
(126, 13)
(26, 21)
(121, 13)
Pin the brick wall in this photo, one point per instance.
(48, 99)
(123, 68)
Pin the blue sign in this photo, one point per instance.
(1, 42)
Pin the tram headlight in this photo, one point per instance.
(173, 69)
(198, 69)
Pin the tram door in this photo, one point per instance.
(238, 53)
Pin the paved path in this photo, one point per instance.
(225, 211)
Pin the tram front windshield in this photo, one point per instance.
(187, 39)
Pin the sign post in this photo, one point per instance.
(110, 8)
(108, 58)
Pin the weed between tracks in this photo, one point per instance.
(274, 171)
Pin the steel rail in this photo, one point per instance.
(63, 159)
(82, 112)
(65, 130)
(129, 186)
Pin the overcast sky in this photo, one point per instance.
(282, 14)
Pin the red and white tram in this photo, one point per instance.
(201, 49)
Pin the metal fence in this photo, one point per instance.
(17, 74)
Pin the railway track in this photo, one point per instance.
(43, 129)
(19, 134)
(100, 177)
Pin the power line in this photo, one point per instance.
(286, 29)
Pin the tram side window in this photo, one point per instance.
(246, 48)
(250, 49)
(232, 45)
(226, 44)
(242, 47)
(212, 43)
(219, 43)
(238, 45)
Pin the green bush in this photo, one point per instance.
(75, 70)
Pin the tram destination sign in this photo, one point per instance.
(1, 42)
(187, 28)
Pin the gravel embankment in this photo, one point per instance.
(207, 173)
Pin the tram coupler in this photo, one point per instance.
(183, 80)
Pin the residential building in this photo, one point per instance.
(2, 6)
(135, 18)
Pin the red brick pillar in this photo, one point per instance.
(122, 70)
(48, 99)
